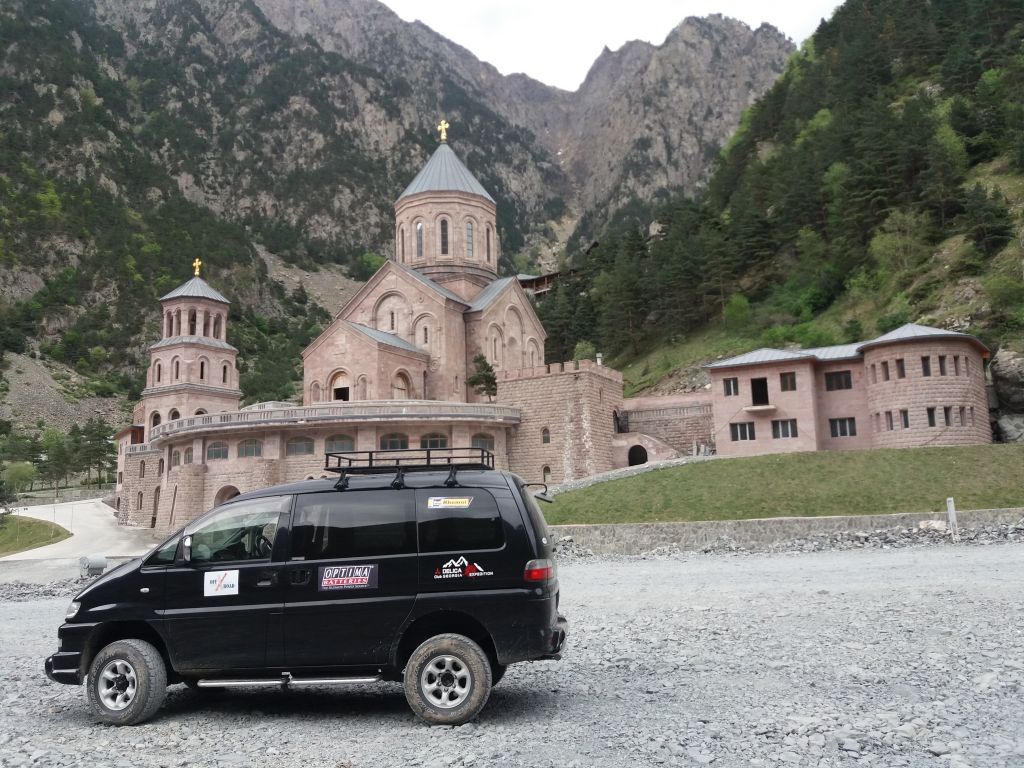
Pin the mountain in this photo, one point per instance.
(271, 139)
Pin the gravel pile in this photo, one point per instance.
(900, 657)
(19, 591)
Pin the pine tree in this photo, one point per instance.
(483, 380)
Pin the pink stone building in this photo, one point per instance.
(914, 386)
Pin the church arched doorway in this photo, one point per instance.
(340, 388)
(226, 493)
(637, 455)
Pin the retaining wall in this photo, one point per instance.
(636, 538)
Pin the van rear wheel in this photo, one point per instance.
(447, 680)
(127, 682)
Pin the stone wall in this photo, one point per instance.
(679, 426)
(637, 538)
(574, 402)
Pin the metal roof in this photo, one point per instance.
(205, 341)
(913, 331)
(444, 172)
(386, 338)
(430, 283)
(763, 355)
(489, 294)
(196, 288)
(835, 352)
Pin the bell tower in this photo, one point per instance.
(192, 370)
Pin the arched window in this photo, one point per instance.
(299, 446)
(177, 370)
(482, 440)
(160, 468)
(401, 244)
(394, 442)
(545, 435)
(314, 392)
(188, 456)
(216, 327)
(158, 371)
(191, 322)
(469, 239)
(216, 451)
(200, 411)
(154, 420)
(142, 470)
(139, 501)
(444, 237)
(173, 414)
(202, 370)
(339, 443)
(488, 250)
(250, 449)
(546, 473)
(400, 387)
(175, 459)
(434, 441)
(224, 374)
(419, 239)
(169, 326)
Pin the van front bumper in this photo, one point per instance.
(64, 668)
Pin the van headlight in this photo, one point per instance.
(72, 610)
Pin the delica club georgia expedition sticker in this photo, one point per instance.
(460, 568)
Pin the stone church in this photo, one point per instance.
(389, 372)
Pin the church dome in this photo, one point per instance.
(444, 172)
(196, 288)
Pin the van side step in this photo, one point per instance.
(287, 681)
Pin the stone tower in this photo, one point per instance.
(445, 226)
(192, 368)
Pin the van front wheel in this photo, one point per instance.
(447, 680)
(127, 682)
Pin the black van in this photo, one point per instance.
(433, 569)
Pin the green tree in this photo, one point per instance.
(737, 313)
(19, 476)
(56, 456)
(988, 220)
(901, 243)
(365, 265)
(483, 380)
(585, 350)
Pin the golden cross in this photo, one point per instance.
(196, 265)
(443, 128)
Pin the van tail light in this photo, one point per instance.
(539, 571)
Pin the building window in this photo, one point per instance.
(139, 500)
(224, 375)
(299, 446)
(155, 419)
(173, 415)
(160, 468)
(202, 370)
(434, 441)
(901, 369)
(177, 370)
(947, 415)
(394, 442)
(888, 420)
(175, 458)
(216, 451)
(401, 243)
(444, 237)
(250, 449)
(885, 370)
(545, 435)
(942, 365)
(931, 417)
(784, 428)
(972, 412)
(905, 418)
(142, 470)
(158, 373)
(838, 380)
(488, 247)
(956, 365)
(546, 474)
(787, 381)
(926, 366)
(484, 441)
(742, 430)
(874, 374)
(419, 239)
(963, 416)
(187, 458)
(469, 239)
(120, 478)
(846, 427)
(967, 365)
(732, 387)
(339, 444)
(426, 335)
(759, 391)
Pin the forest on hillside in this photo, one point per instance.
(878, 147)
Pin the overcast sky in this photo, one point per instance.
(556, 41)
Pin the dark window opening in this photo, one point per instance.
(787, 381)
(341, 393)
(759, 391)
(637, 455)
(838, 380)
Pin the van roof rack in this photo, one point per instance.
(403, 460)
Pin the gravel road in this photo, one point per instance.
(904, 657)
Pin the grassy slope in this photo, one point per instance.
(19, 533)
(806, 484)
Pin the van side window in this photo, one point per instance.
(242, 531)
(333, 526)
(458, 519)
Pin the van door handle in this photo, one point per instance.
(298, 577)
(266, 579)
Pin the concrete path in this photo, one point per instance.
(94, 531)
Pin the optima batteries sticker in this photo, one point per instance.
(219, 583)
(347, 577)
(449, 502)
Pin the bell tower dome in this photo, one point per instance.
(192, 369)
(445, 225)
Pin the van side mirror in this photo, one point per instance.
(186, 549)
(543, 496)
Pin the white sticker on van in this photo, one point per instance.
(449, 502)
(220, 583)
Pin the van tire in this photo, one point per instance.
(447, 680)
(127, 682)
